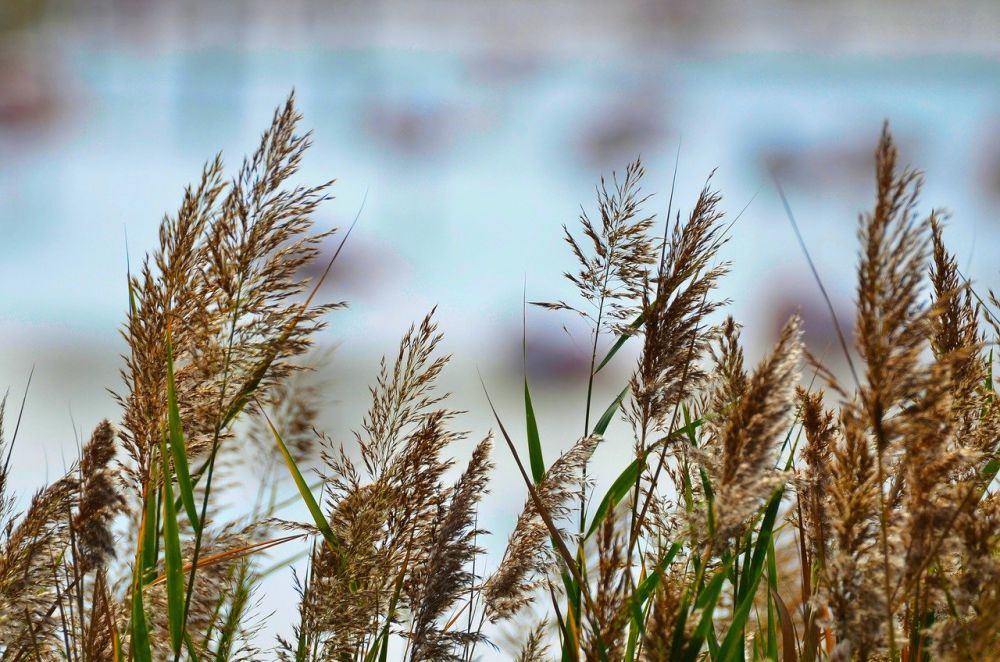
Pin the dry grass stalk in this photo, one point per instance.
(815, 481)
(676, 306)
(528, 557)
(535, 649)
(224, 283)
(614, 268)
(751, 431)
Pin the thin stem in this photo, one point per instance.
(885, 553)
(211, 461)
(590, 389)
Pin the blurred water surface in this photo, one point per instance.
(470, 147)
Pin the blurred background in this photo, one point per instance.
(473, 131)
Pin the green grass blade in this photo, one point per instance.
(314, 510)
(572, 591)
(150, 531)
(609, 413)
(192, 652)
(141, 648)
(172, 560)
(706, 482)
(627, 479)
(772, 585)
(677, 640)
(178, 449)
(535, 458)
(646, 587)
(628, 333)
(621, 487)
(706, 604)
(146, 556)
(713, 644)
(752, 572)
(637, 621)
(640, 596)
(732, 645)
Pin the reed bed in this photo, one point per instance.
(770, 511)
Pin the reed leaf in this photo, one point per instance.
(178, 449)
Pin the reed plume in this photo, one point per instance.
(814, 483)
(535, 649)
(528, 557)
(100, 500)
(675, 307)
(222, 289)
(445, 573)
(614, 268)
(749, 434)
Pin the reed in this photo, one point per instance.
(760, 515)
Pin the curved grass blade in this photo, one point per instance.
(788, 635)
(621, 487)
(629, 332)
(141, 650)
(178, 449)
(173, 563)
(706, 604)
(317, 514)
(750, 580)
(535, 458)
(609, 413)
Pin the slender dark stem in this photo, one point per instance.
(819, 282)
(645, 414)
(17, 425)
(637, 528)
(211, 464)
(77, 575)
(883, 516)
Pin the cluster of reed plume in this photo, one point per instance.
(760, 517)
